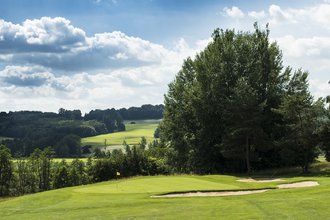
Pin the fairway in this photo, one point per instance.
(132, 135)
(131, 199)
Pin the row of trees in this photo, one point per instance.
(235, 108)
(39, 172)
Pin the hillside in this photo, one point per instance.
(132, 135)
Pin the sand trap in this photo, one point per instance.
(251, 180)
(225, 193)
(298, 185)
(242, 192)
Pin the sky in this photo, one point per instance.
(99, 54)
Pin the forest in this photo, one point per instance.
(24, 131)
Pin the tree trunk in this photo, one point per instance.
(247, 155)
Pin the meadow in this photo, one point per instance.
(131, 199)
(132, 135)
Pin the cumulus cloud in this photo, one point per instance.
(50, 59)
(24, 76)
(318, 14)
(257, 14)
(40, 35)
(317, 47)
(233, 12)
(311, 54)
(55, 43)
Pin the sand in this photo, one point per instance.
(225, 193)
(251, 180)
(298, 185)
(242, 192)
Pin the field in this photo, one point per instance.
(5, 138)
(130, 199)
(132, 135)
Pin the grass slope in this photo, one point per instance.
(130, 199)
(132, 135)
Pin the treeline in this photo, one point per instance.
(39, 172)
(27, 130)
(236, 108)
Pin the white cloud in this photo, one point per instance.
(56, 44)
(233, 12)
(52, 61)
(257, 14)
(317, 47)
(277, 14)
(40, 35)
(317, 15)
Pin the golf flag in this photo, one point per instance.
(118, 174)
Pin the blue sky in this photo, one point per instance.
(89, 54)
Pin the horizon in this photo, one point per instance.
(99, 54)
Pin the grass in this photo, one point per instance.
(68, 160)
(132, 135)
(58, 160)
(130, 199)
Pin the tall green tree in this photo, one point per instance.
(244, 133)
(325, 131)
(195, 122)
(301, 115)
(6, 171)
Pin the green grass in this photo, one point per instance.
(132, 135)
(68, 160)
(130, 199)
(58, 160)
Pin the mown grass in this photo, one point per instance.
(132, 135)
(58, 160)
(130, 199)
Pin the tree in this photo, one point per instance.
(61, 176)
(68, 146)
(325, 131)
(244, 133)
(301, 115)
(6, 171)
(195, 120)
(179, 125)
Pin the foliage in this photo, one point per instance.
(40, 172)
(231, 106)
(27, 130)
(6, 171)
(302, 121)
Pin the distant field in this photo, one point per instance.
(68, 160)
(57, 160)
(130, 199)
(5, 138)
(132, 135)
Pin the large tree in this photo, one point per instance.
(196, 122)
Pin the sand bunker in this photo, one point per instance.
(242, 192)
(298, 185)
(251, 180)
(225, 193)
